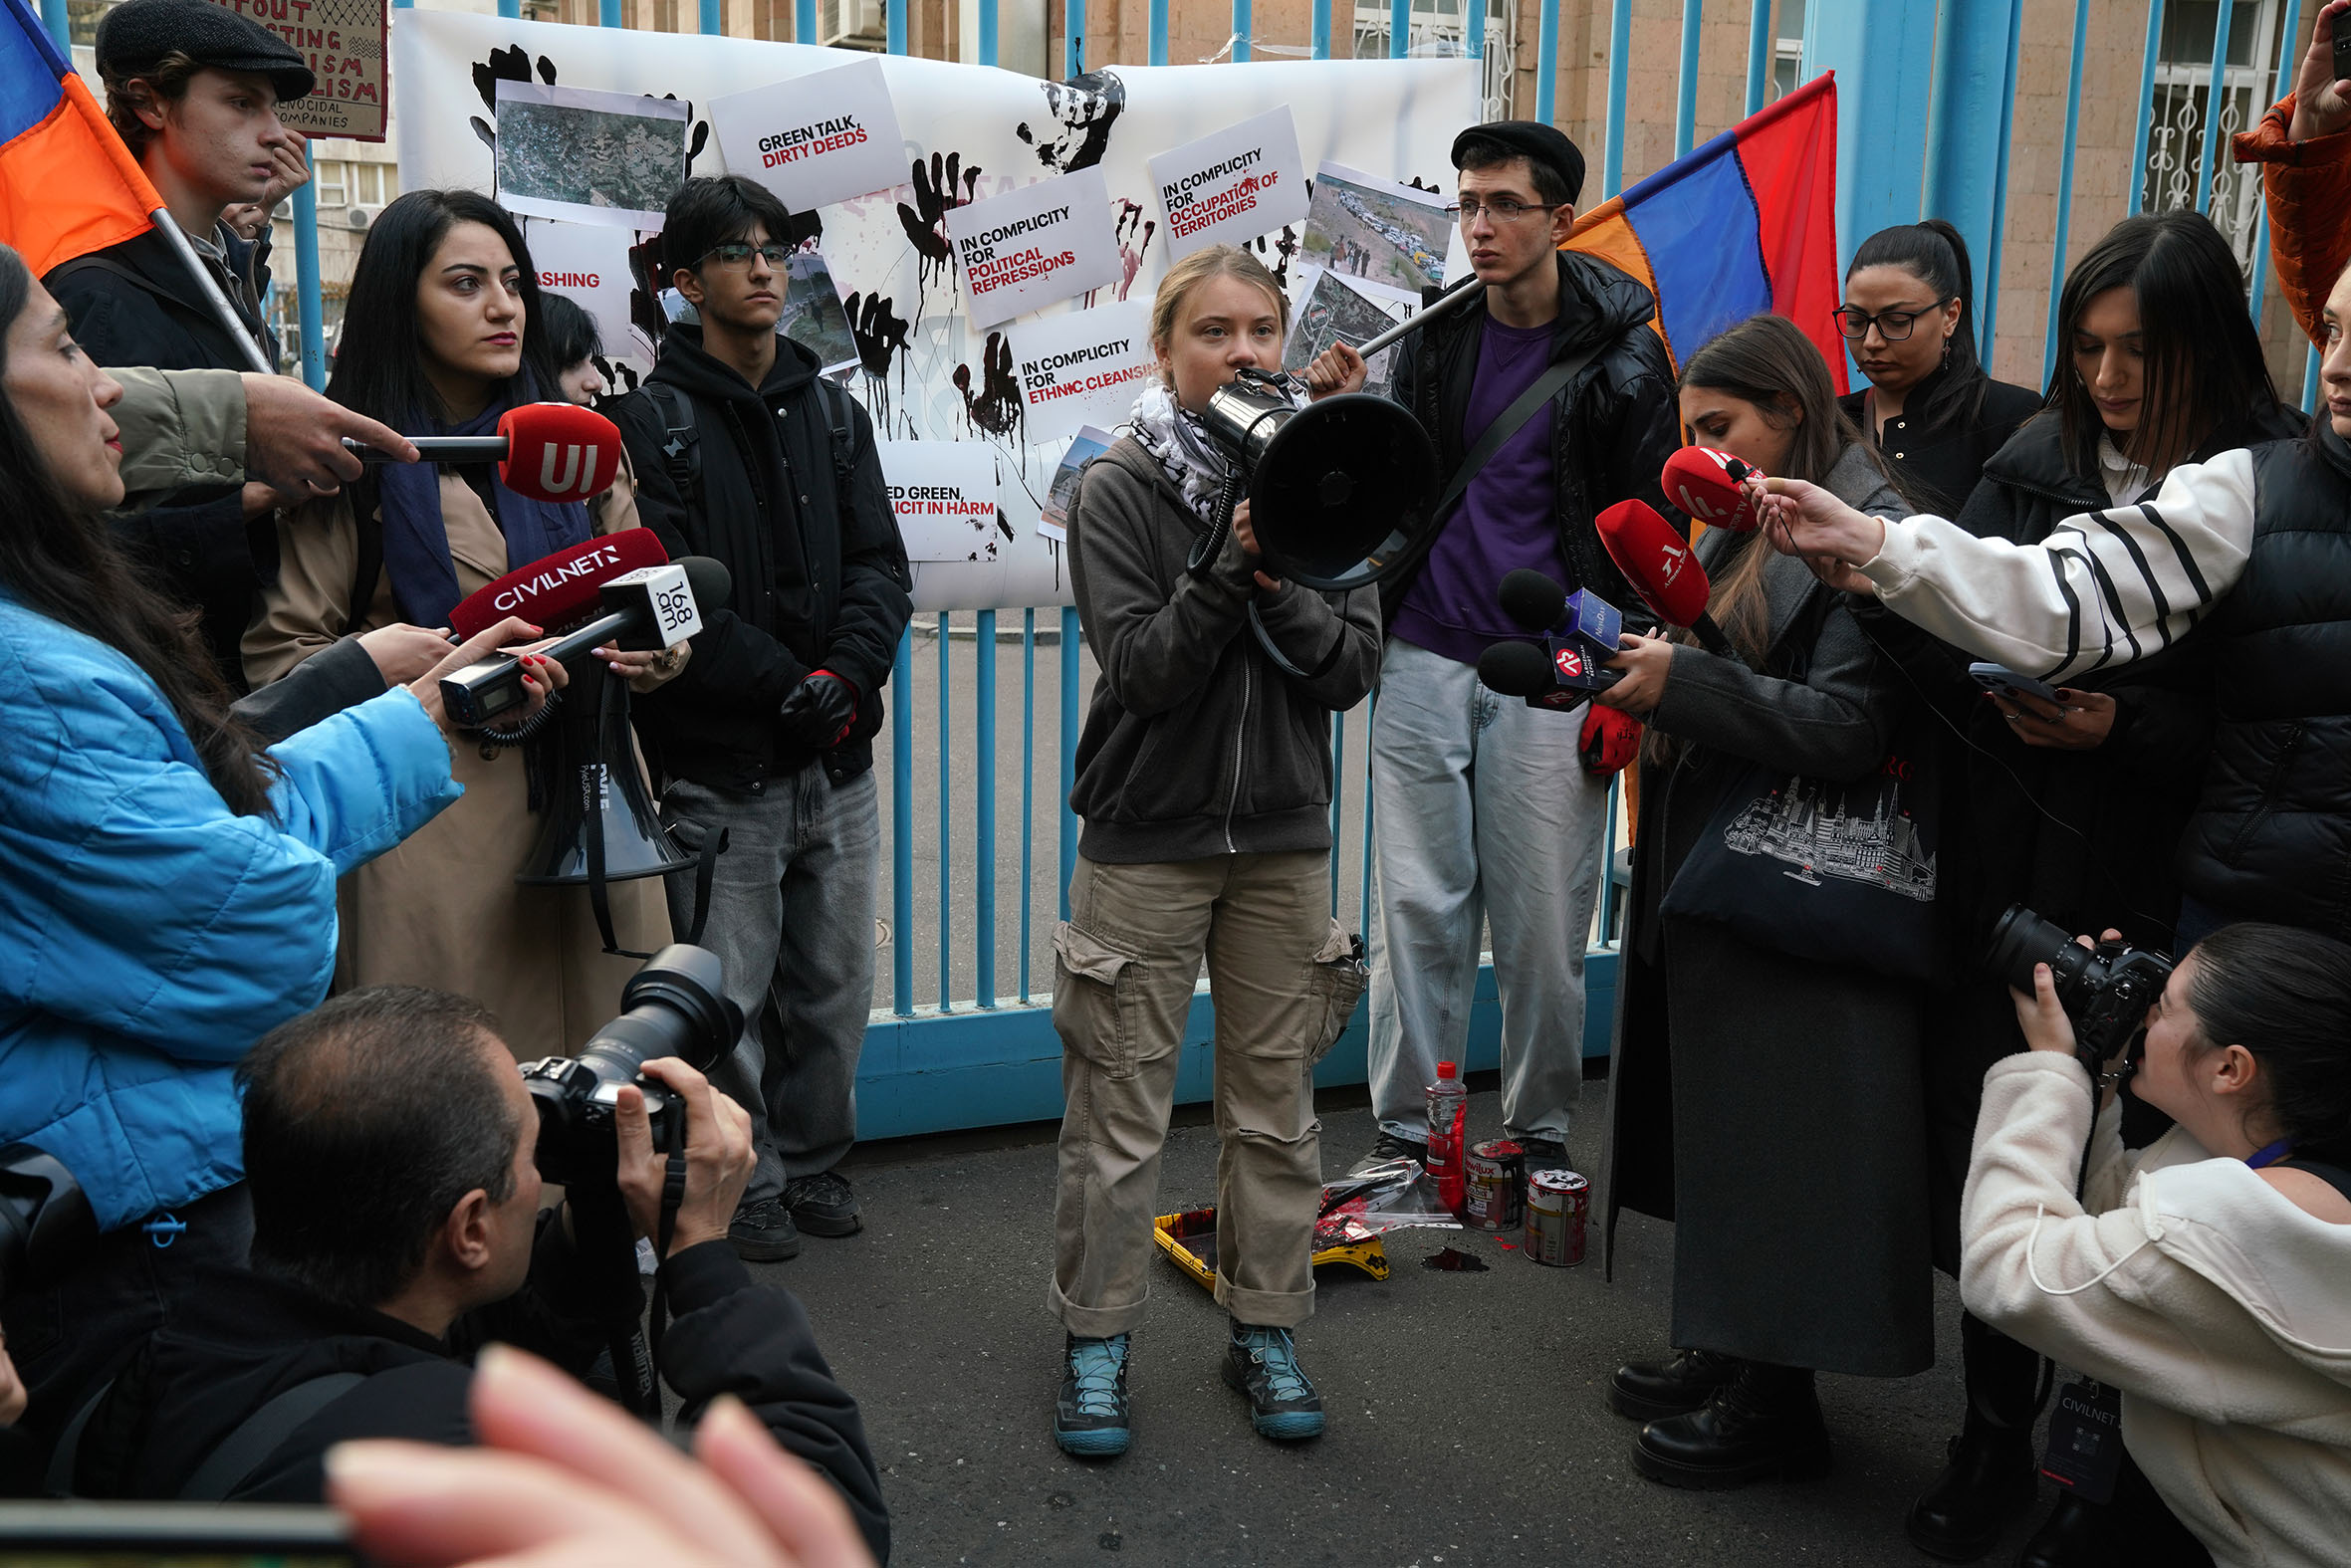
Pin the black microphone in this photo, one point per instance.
(1524, 669)
(1533, 600)
(650, 608)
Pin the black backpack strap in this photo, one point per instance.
(844, 429)
(681, 443)
(259, 1434)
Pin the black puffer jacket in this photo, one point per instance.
(821, 575)
(1612, 427)
(2272, 836)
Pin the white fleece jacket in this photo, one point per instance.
(2104, 589)
(2220, 1309)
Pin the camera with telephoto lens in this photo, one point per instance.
(45, 1218)
(2106, 989)
(676, 1005)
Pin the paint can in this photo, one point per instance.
(1493, 1186)
(1559, 1202)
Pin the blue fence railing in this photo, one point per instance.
(987, 1056)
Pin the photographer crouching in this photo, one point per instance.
(395, 1159)
(2204, 1279)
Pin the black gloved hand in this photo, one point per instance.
(820, 711)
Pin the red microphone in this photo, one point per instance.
(1706, 484)
(557, 589)
(1662, 569)
(545, 451)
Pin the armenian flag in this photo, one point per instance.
(1741, 225)
(67, 185)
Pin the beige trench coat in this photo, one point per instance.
(444, 909)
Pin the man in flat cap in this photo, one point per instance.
(193, 89)
(1486, 813)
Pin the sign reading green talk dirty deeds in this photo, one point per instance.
(341, 41)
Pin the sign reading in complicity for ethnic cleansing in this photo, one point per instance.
(814, 139)
(341, 41)
(1029, 247)
(1233, 186)
(1083, 368)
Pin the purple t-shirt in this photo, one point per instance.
(1507, 519)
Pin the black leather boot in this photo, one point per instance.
(1994, 1475)
(1764, 1424)
(1653, 1390)
(2072, 1537)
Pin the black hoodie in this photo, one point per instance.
(821, 579)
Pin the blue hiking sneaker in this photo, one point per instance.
(1089, 1418)
(1263, 1363)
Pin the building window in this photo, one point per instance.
(333, 185)
(1438, 29)
(368, 183)
(1788, 48)
(2180, 112)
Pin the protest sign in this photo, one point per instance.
(588, 265)
(1091, 442)
(1376, 230)
(1033, 245)
(342, 41)
(586, 157)
(814, 139)
(1228, 187)
(944, 496)
(1340, 309)
(1083, 368)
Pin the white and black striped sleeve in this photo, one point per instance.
(2104, 589)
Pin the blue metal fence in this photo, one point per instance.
(971, 1060)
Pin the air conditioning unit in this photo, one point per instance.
(853, 24)
(360, 215)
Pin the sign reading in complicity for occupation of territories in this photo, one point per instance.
(1083, 368)
(1232, 185)
(341, 41)
(1029, 247)
(814, 139)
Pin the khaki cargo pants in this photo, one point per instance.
(1283, 980)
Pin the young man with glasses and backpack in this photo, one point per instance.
(1554, 392)
(743, 452)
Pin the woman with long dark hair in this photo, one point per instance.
(1931, 408)
(1763, 1099)
(443, 334)
(166, 886)
(2203, 1277)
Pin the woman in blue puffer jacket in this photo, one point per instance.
(167, 887)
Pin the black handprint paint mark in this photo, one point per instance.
(996, 407)
(1084, 108)
(510, 64)
(935, 195)
(1417, 183)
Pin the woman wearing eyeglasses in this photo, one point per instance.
(1909, 319)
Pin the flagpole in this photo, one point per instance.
(173, 236)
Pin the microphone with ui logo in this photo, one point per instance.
(545, 451)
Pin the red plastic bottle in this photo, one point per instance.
(1449, 1118)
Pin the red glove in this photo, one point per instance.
(1611, 738)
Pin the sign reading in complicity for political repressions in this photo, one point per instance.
(1231, 186)
(814, 139)
(341, 41)
(1029, 247)
(944, 496)
(1083, 369)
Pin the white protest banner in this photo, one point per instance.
(1234, 186)
(1083, 368)
(1033, 245)
(974, 133)
(588, 265)
(341, 41)
(944, 495)
(612, 159)
(814, 139)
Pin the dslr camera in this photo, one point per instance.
(2106, 989)
(45, 1218)
(676, 1005)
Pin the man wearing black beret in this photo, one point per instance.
(193, 89)
(1486, 812)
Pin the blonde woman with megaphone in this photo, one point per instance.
(1204, 780)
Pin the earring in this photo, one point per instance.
(1947, 350)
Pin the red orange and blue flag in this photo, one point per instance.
(67, 185)
(1744, 224)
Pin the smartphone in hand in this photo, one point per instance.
(1999, 678)
(2342, 39)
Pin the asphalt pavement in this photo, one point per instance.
(1466, 1415)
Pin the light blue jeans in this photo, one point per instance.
(792, 920)
(1480, 812)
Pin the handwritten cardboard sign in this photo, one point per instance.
(1029, 247)
(1233, 186)
(341, 41)
(814, 139)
